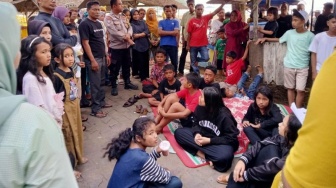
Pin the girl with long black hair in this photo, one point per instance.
(135, 167)
(262, 117)
(213, 136)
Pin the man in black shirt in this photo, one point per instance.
(92, 36)
(321, 21)
(284, 21)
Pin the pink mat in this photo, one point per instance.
(238, 108)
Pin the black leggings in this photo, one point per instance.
(220, 155)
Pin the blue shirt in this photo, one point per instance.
(297, 55)
(168, 25)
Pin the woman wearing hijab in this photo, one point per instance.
(237, 33)
(62, 14)
(140, 49)
(154, 37)
(32, 146)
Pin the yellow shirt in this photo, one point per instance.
(184, 23)
(311, 162)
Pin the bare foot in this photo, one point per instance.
(211, 164)
(223, 179)
(84, 160)
(260, 69)
(200, 154)
(248, 70)
(77, 174)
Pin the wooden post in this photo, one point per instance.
(255, 11)
(268, 4)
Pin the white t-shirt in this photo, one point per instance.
(41, 95)
(323, 45)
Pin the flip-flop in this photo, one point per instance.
(222, 179)
(99, 114)
(84, 127)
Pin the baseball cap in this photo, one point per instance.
(301, 14)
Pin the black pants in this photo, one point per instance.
(140, 64)
(120, 58)
(84, 101)
(220, 155)
(183, 58)
(255, 135)
(264, 155)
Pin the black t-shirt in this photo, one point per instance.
(166, 89)
(204, 85)
(321, 24)
(271, 26)
(285, 24)
(93, 31)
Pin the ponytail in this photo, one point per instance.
(118, 146)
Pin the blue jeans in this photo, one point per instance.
(203, 50)
(172, 53)
(253, 86)
(174, 182)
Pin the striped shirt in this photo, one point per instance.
(136, 167)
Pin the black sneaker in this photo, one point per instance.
(114, 92)
(131, 86)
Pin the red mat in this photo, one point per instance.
(238, 108)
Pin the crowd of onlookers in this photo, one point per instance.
(65, 61)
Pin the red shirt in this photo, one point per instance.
(197, 29)
(233, 72)
(191, 101)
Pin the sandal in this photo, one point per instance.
(84, 127)
(107, 106)
(138, 108)
(99, 114)
(132, 99)
(127, 104)
(130, 102)
(137, 97)
(222, 179)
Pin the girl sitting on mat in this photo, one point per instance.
(258, 166)
(213, 136)
(135, 167)
(262, 117)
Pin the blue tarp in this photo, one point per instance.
(278, 2)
